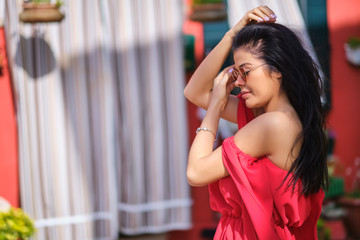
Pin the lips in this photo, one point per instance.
(244, 93)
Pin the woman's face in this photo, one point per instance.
(260, 86)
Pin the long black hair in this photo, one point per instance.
(283, 52)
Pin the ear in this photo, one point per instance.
(276, 75)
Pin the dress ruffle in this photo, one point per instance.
(254, 202)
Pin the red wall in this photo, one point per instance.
(9, 188)
(344, 118)
(203, 217)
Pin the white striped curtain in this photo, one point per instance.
(101, 116)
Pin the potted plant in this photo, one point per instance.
(208, 10)
(37, 11)
(352, 50)
(323, 232)
(14, 223)
(351, 202)
(336, 183)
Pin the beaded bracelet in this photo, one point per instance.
(206, 129)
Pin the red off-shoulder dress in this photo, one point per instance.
(251, 202)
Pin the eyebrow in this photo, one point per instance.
(243, 64)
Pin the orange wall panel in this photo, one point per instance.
(9, 185)
(344, 117)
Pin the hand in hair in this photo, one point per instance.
(256, 15)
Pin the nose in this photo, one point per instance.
(239, 82)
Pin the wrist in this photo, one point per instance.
(215, 107)
(235, 29)
(231, 33)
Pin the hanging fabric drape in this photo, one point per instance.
(154, 193)
(101, 118)
(288, 12)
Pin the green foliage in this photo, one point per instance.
(354, 42)
(15, 224)
(198, 2)
(323, 231)
(58, 2)
(41, 1)
(355, 194)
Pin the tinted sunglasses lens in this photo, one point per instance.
(242, 74)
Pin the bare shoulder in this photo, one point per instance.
(273, 122)
(279, 121)
(271, 134)
(282, 131)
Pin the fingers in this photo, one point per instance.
(223, 72)
(262, 14)
(230, 87)
(268, 12)
(259, 14)
(227, 69)
(223, 78)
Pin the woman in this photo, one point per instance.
(266, 180)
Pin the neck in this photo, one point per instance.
(278, 103)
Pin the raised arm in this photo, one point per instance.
(206, 165)
(198, 90)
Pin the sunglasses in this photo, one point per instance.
(242, 73)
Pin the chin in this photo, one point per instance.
(250, 103)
